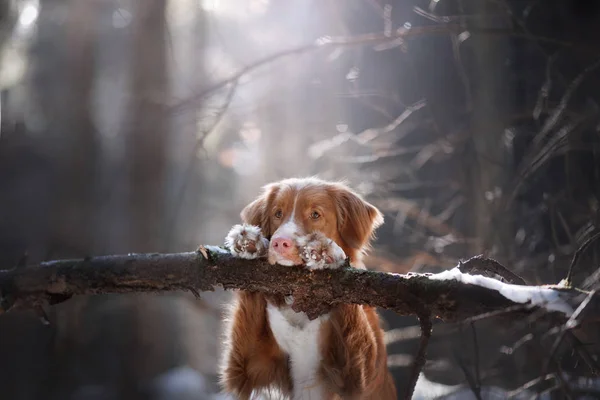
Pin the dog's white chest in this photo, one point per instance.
(299, 337)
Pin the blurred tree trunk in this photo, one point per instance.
(77, 147)
(76, 151)
(152, 331)
(489, 167)
(111, 345)
(52, 185)
(148, 128)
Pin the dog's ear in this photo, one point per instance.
(357, 219)
(256, 213)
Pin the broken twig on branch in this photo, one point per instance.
(315, 292)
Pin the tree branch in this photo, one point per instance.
(315, 292)
(325, 42)
(420, 359)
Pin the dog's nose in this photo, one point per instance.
(282, 245)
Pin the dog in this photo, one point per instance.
(341, 355)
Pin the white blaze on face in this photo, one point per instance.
(288, 230)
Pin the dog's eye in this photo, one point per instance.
(278, 214)
(315, 215)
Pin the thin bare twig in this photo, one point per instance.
(323, 43)
(413, 332)
(354, 41)
(416, 212)
(584, 354)
(573, 321)
(194, 157)
(544, 92)
(421, 356)
(559, 111)
(578, 254)
(479, 263)
(471, 381)
(368, 135)
(537, 157)
(529, 385)
(476, 353)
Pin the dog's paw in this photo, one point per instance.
(246, 241)
(318, 251)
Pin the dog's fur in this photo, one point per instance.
(340, 355)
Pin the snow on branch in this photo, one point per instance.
(451, 295)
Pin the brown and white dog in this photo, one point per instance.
(340, 355)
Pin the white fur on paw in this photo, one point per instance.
(246, 241)
(318, 251)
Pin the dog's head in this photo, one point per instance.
(296, 207)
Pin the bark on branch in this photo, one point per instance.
(314, 291)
